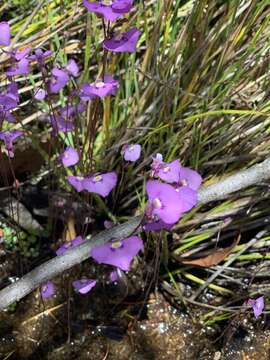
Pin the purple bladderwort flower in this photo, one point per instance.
(77, 182)
(125, 42)
(190, 178)
(131, 152)
(99, 88)
(39, 56)
(110, 9)
(60, 124)
(47, 290)
(169, 172)
(69, 244)
(156, 165)
(257, 305)
(72, 68)
(71, 110)
(84, 285)
(69, 157)
(167, 203)
(40, 94)
(101, 184)
(157, 225)
(4, 34)
(118, 253)
(8, 137)
(20, 53)
(59, 80)
(21, 68)
(9, 101)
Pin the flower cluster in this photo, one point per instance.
(174, 195)
(171, 189)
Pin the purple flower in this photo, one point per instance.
(169, 172)
(156, 165)
(99, 88)
(40, 94)
(165, 203)
(157, 225)
(21, 68)
(188, 197)
(118, 253)
(60, 124)
(131, 152)
(190, 178)
(69, 244)
(76, 182)
(257, 305)
(59, 80)
(125, 42)
(20, 54)
(71, 110)
(69, 157)
(84, 285)
(8, 137)
(7, 102)
(101, 184)
(47, 290)
(12, 92)
(40, 56)
(72, 68)
(4, 34)
(110, 9)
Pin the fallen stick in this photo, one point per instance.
(59, 264)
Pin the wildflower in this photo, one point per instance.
(4, 34)
(131, 152)
(166, 203)
(69, 244)
(40, 94)
(9, 101)
(19, 53)
(69, 157)
(71, 110)
(100, 88)
(12, 92)
(110, 9)
(156, 165)
(257, 305)
(59, 80)
(72, 68)
(190, 178)
(125, 42)
(40, 55)
(84, 285)
(101, 184)
(76, 182)
(188, 197)
(157, 225)
(118, 253)
(169, 172)
(47, 290)
(8, 137)
(21, 68)
(60, 124)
